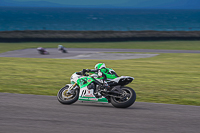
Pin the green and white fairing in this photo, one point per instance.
(86, 94)
(82, 88)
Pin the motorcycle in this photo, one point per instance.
(85, 87)
(43, 51)
(63, 50)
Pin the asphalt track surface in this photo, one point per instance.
(23, 113)
(91, 53)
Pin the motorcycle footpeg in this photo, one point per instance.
(105, 89)
(97, 94)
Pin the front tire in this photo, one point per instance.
(65, 98)
(127, 98)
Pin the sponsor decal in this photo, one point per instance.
(89, 95)
(82, 98)
(95, 99)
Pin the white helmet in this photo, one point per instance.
(99, 66)
(39, 48)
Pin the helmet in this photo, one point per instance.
(99, 66)
(39, 48)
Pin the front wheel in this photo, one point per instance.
(125, 99)
(65, 98)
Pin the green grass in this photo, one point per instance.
(176, 45)
(167, 78)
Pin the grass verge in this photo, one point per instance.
(167, 78)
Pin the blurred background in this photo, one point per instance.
(115, 15)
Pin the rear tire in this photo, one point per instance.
(65, 98)
(127, 100)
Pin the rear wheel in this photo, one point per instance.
(125, 99)
(67, 98)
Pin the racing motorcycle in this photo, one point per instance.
(85, 87)
(42, 51)
(63, 50)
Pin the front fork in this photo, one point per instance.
(71, 89)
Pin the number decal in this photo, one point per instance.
(83, 81)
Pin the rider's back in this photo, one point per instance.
(109, 73)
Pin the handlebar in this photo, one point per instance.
(78, 73)
(86, 70)
(83, 72)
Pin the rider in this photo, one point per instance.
(104, 73)
(107, 73)
(41, 49)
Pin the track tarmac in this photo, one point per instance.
(23, 113)
(91, 53)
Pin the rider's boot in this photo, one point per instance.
(97, 94)
(106, 87)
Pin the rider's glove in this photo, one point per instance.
(100, 73)
(83, 71)
(88, 70)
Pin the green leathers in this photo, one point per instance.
(109, 73)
